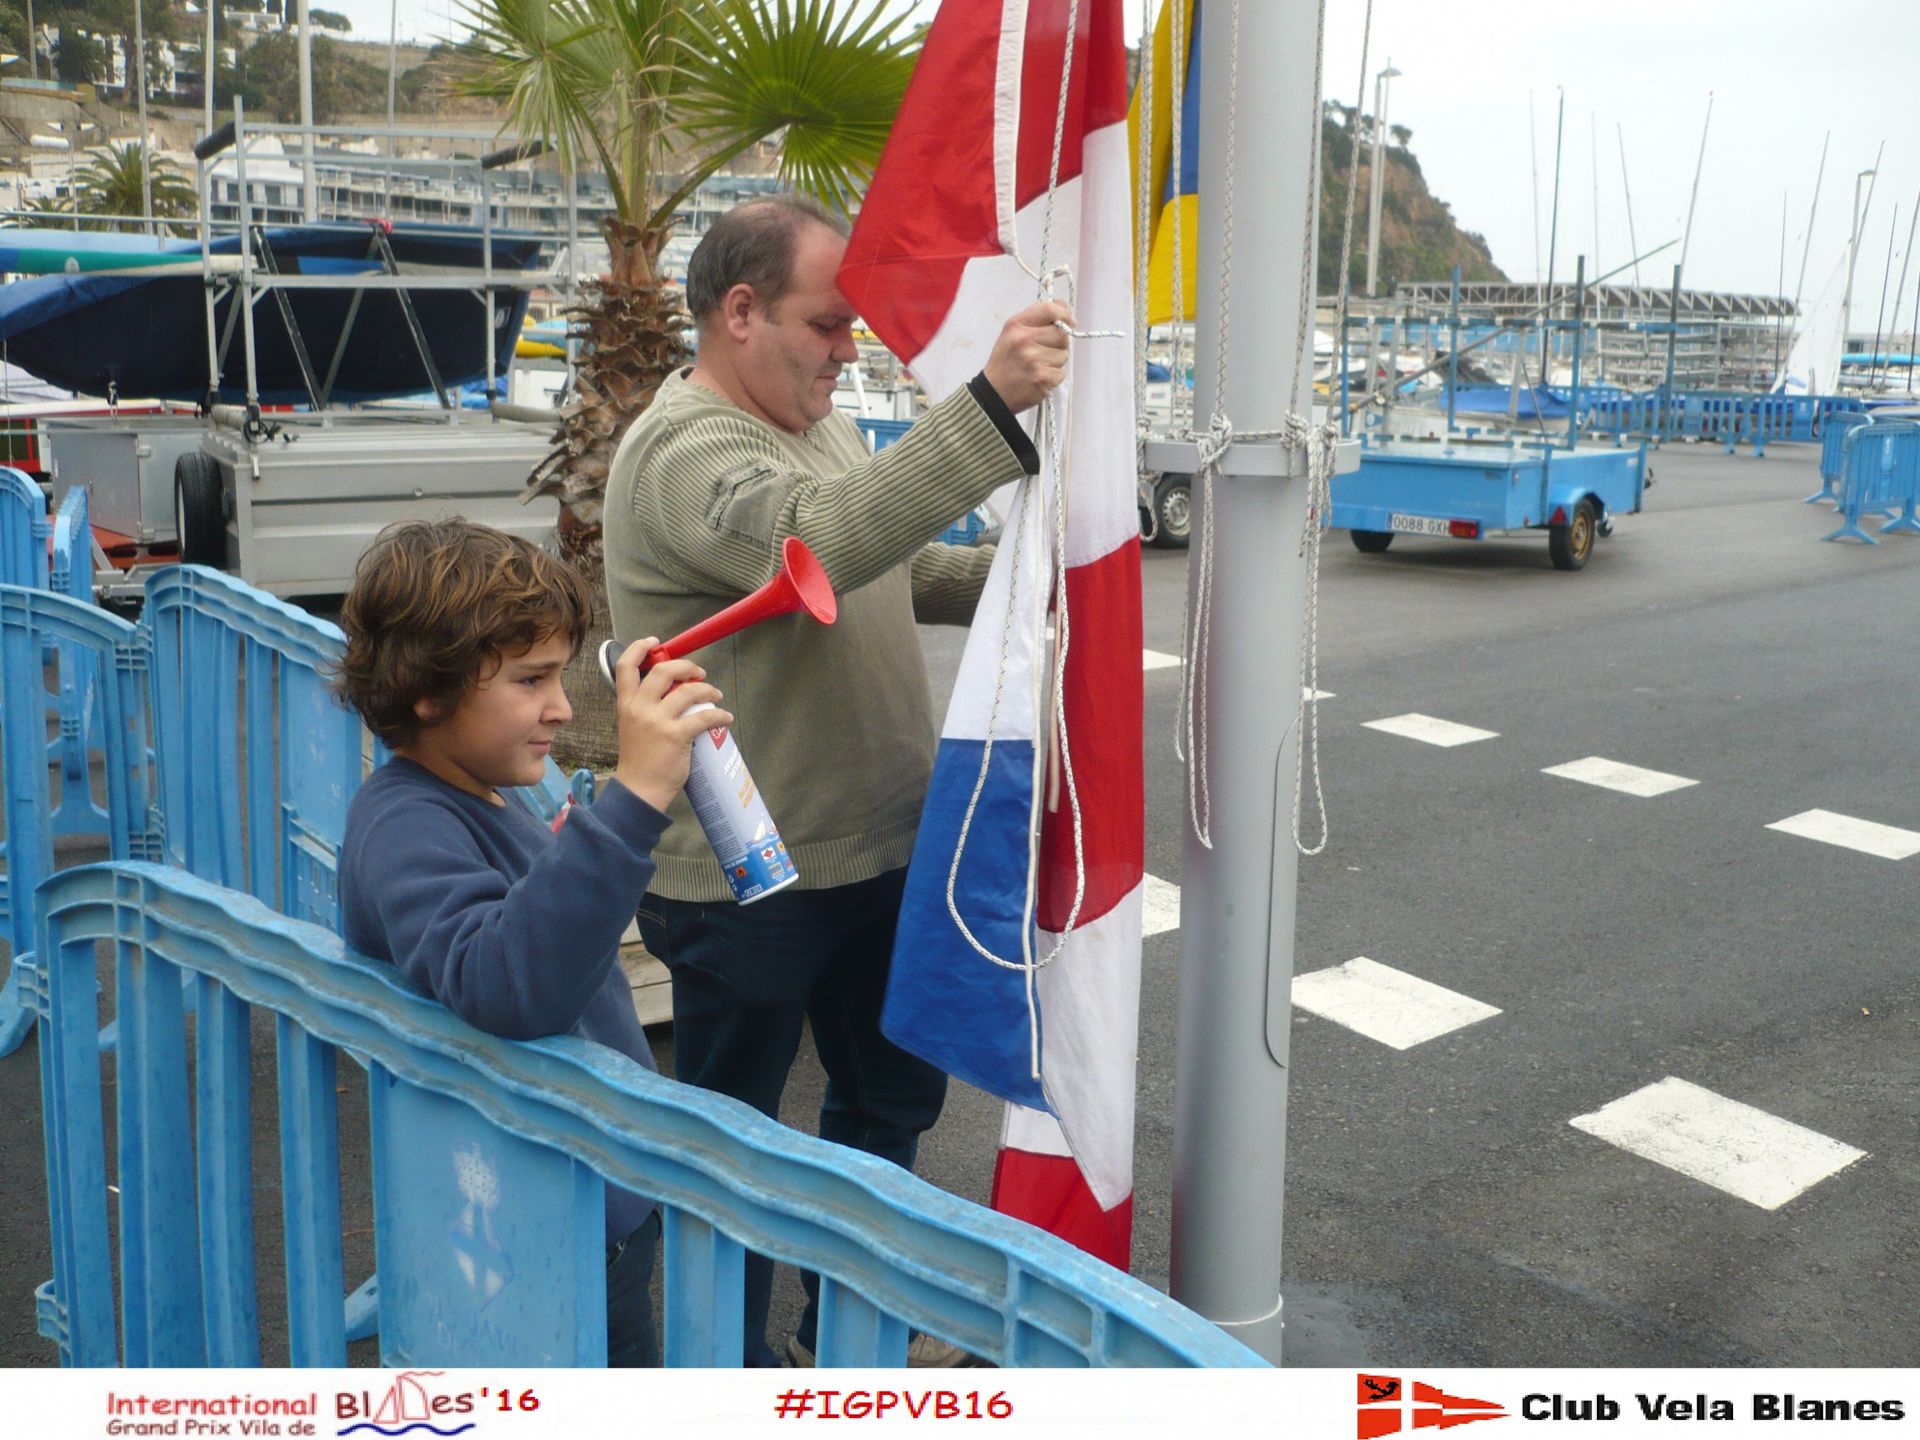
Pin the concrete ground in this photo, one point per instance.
(1442, 1207)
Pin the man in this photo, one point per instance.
(836, 723)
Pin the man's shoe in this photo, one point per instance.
(924, 1352)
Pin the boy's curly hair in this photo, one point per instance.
(435, 601)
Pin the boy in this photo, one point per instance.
(456, 637)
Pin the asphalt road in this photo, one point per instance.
(1440, 1207)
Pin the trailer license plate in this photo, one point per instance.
(1417, 525)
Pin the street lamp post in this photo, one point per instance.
(1378, 189)
(1379, 176)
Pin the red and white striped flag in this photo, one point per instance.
(964, 215)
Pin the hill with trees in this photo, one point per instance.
(1419, 238)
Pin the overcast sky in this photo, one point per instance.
(1783, 74)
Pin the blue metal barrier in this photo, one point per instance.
(1726, 416)
(24, 529)
(1833, 454)
(31, 620)
(80, 714)
(515, 1140)
(265, 815)
(1882, 475)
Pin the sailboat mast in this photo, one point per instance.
(1686, 238)
(1806, 245)
(1627, 190)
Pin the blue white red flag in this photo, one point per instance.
(1028, 835)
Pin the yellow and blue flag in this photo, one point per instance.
(1176, 198)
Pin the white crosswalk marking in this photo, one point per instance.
(1386, 1004)
(1864, 835)
(1159, 906)
(1748, 1153)
(1434, 732)
(1615, 775)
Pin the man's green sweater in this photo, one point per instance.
(836, 722)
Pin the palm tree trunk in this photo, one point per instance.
(629, 329)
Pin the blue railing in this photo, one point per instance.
(1726, 416)
(1833, 455)
(32, 621)
(516, 1140)
(1880, 476)
(263, 805)
(78, 705)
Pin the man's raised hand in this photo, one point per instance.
(1030, 357)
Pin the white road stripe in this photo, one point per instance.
(1385, 1004)
(1158, 660)
(1312, 694)
(1430, 730)
(1159, 906)
(1863, 835)
(1748, 1153)
(1614, 775)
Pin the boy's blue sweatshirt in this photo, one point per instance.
(512, 927)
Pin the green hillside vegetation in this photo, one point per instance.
(1419, 238)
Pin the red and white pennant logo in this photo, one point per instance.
(1387, 1405)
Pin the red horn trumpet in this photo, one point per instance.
(802, 584)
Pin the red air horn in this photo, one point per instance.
(801, 585)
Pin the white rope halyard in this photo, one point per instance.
(1297, 434)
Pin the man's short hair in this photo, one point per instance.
(752, 244)
(433, 603)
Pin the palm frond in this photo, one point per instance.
(551, 64)
(827, 77)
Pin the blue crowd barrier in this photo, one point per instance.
(210, 651)
(1729, 417)
(515, 1140)
(1833, 454)
(24, 530)
(1881, 476)
(260, 808)
(72, 575)
(30, 621)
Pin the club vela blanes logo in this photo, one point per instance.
(1387, 1404)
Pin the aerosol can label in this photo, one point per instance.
(735, 818)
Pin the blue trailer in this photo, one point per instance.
(1470, 489)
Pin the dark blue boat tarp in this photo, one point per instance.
(147, 336)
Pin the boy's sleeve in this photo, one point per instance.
(519, 959)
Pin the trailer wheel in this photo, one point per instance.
(199, 516)
(1571, 545)
(1173, 508)
(1371, 542)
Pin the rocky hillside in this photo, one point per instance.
(1419, 238)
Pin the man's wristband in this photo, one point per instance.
(1003, 419)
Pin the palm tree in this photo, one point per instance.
(110, 184)
(659, 95)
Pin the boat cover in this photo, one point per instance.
(147, 335)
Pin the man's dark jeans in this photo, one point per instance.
(633, 1340)
(744, 980)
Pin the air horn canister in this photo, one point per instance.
(724, 798)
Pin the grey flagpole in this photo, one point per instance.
(1237, 900)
